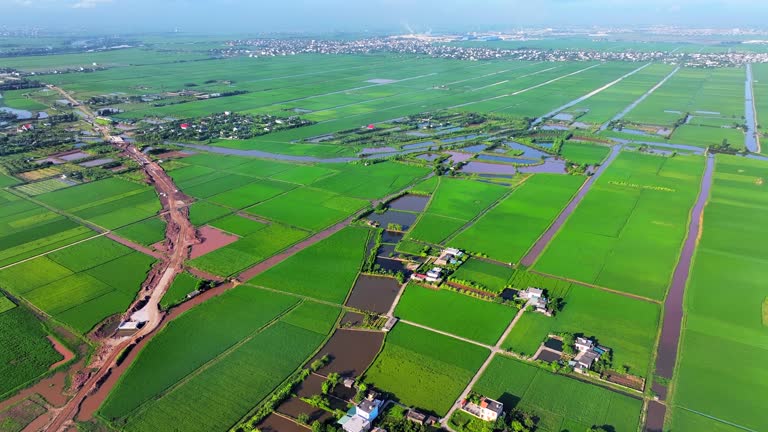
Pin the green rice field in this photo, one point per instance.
(82, 284)
(729, 254)
(424, 369)
(324, 271)
(629, 228)
(454, 203)
(479, 320)
(508, 230)
(627, 326)
(560, 403)
(491, 276)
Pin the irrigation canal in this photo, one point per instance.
(751, 137)
(666, 354)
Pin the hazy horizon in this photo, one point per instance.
(232, 16)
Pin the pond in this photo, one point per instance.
(391, 237)
(550, 165)
(414, 203)
(417, 134)
(350, 351)
(489, 168)
(375, 150)
(457, 157)
(374, 293)
(555, 128)
(20, 114)
(528, 152)
(403, 219)
(474, 148)
(507, 159)
(460, 138)
(632, 131)
(448, 129)
(418, 145)
(392, 265)
(429, 157)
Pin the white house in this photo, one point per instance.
(435, 274)
(535, 297)
(359, 418)
(488, 409)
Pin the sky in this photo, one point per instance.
(313, 16)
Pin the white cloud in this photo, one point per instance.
(89, 4)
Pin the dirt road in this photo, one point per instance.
(180, 235)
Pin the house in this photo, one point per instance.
(535, 297)
(348, 383)
(588, 354)
(359, 417)
(435, 274)
(449, 256)
(25, 127)
(488, 409)
(184, 126)
(584, 361)
(416, 417)
(583, 344)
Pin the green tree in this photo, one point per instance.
(303, 418)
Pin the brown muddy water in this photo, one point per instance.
(276, 423)
(373, 293)
(351, 351)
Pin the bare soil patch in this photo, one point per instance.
(350, 351)
(211, 239)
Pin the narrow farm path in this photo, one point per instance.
(494, 350)
(669, 342)
(632, 106)
(588, 95)
(450, 335)
(541, 244)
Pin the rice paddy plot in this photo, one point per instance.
(490, 276)
(705, 136)
(44, 186)
(190, 341)
(250, 194)
(628, 326)
(182, 285)
(324, 271)
(508, 230)
(715, 91)
(249, 372)
(248, 250)
(372, 181)
(454, 203)
(584, 153)
(603, 106)
(559, 402)
(730, 253)
(146, 232)
(424, 369)
(308, 208)
(27, 353)
(627, 232)
(479, 320)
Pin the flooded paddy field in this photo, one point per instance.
(373, 293)
(350, 351)
(488, 168)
